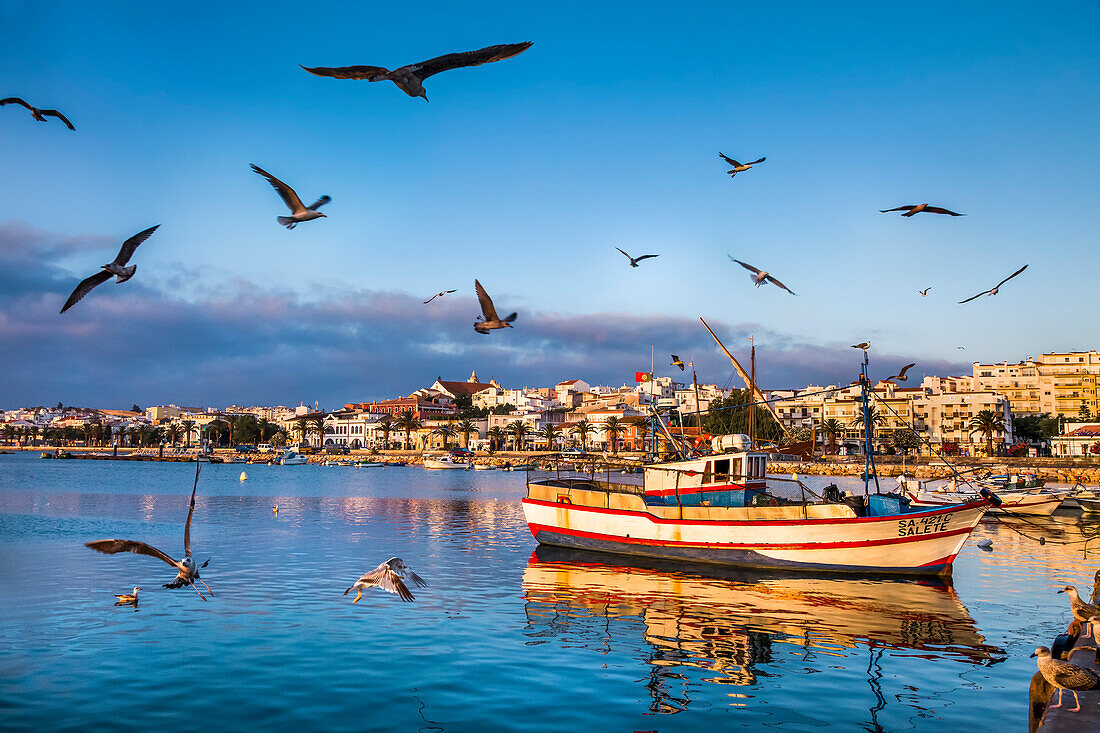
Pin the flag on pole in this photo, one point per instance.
(643, 376)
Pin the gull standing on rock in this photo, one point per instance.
(388, 576)
(38, 114)
(410, 79)
(188, 572)
(298, 212)
(1081, 611)
(488, 320)
(117, 268)
(996, 288)
(760, 276)
(738, 167)
(911, 209)
(1066, 676)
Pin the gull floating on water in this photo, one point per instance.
(900, 376)
(738, 167)
(488, 320)
(1066, 676)
(117, 268)
(924, 293)
(440, 294)
(188, 572)
(760, 276)
(410, 79)
(38, 114)
(995, 288)
(911, 209)
(388, 576)
(298, 212)
(127, 597)
(635, 260)
(1081, 611)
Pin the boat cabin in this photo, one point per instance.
(734, 478)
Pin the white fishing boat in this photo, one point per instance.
(484, 467)
(446, 461)
(719, 509)
(292, 458)
(1038, 502)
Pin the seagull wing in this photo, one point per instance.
(285, 192)
(1002, 282)
(758, 161)
(58, 115)
(449, 61)
(897, 208)
(15, 100)
(190, 513)
(748, 267)
(429, 300)
(319, 202)
(729, 160)
(420, 582)
(773, 281)
(973, 297)
(128, 247)
(644, 257)
(85, 287)
(385, 578)
(110, 547)
(626, 255)
(370, 73)
(941, 210)
(904, 369)
(487, 308)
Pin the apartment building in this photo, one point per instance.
(1059, 383)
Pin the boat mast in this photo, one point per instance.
(698, 405)
(752, 392)
(757, 395)
(869, 471)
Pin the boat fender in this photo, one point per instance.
(990, 497)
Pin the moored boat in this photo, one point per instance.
(292, 458)
(1034, 502)
(446, 461)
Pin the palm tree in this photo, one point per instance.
(832, 428)
(217, 427)
(447, 432)
(301, 429)
(518, 429)
(876, 420)
(549, 434)
(583, 429)
(188, 428)
(987, 423)
(386, 425)
(641, 427)
(466, 427)
(407, 422)
(9, 433)
(611, 427)
(30, 433)
(318, 426)
(173, 433)
(496, 437)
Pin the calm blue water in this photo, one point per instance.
(503, 639)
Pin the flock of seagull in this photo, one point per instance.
(388, 576)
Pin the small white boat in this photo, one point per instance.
(1038, 502)
(484, 467)
(292, 458)
(446, 461)
(370, 464)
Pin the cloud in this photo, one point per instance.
(241, 343)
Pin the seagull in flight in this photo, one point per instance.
(760, 277)
(635, 260)
(901, 376)
(388, 576)
(117, 268)
(865, 345)
(187, 571)
(961, 348)
(38, 114)
(924, 293)
(440, 294)
(410, 79)
(911, 209)
(738, 167)
(677, 362)
(995, 288)
(488, 320)
(298, 212)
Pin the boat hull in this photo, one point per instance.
(1036, 504)
(921, 543)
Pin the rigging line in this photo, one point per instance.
(916, 432)
(767, 402)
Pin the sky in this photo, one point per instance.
(526, 174)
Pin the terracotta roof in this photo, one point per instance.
(461, 388)
(569, 381)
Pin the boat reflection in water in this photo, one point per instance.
(733, 623)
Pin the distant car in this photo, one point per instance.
(574, 453)
(264, 448)
(245, 448)
(305, 449)
(336, 449)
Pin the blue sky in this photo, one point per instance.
(526, 174)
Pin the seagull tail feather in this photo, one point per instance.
(287, 221)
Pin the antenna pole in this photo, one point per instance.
(752, 392)
(869, 470)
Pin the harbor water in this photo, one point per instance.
(503, 638)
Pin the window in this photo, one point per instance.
(708, 477)
(722, 470)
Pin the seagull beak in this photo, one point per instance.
(1062, 591)
(1034, 654)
